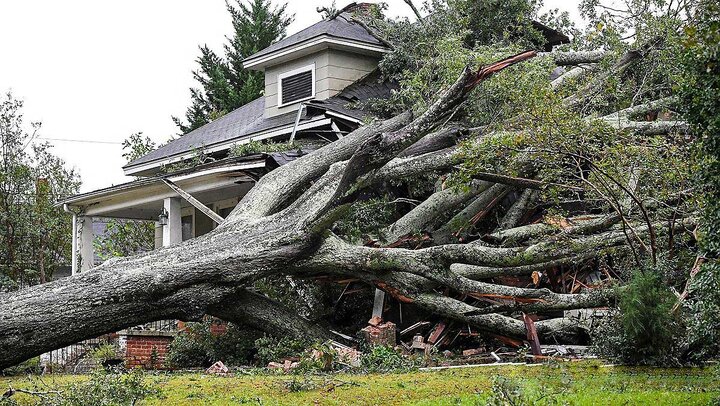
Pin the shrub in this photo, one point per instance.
(380, 358)
(104, 353)
(29, 367)
(197, 346)
(645, 331)
(507, 391)
(109, 388)
(270, 349)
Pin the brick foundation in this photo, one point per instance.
(146, 351)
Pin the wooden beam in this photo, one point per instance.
(195, 202)
(378, 303)
(532, 335)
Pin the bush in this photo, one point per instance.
(508, 391)
(29, 367)
(380, 358)
(645, 331)
(103, 388)
(105, 353)
(270, 349)
(109, 388)
(197, 346)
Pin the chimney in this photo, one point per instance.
(360, 8)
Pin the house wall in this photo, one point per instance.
(334, 71)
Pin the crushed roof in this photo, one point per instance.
(243, 121)
(248, 119)
(371, 86)
(340, 27)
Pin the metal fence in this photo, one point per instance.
(160, 325)
(77, 358)
(70, 358)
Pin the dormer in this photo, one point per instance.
(316, 63)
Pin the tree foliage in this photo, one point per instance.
(224, 84)
(699, 90)
(123, 237)
(35, 234)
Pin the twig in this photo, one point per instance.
(414, 9)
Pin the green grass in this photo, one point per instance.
(575, 384)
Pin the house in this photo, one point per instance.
(314, 80)
(311, 78)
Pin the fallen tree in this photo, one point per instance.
(450, 254)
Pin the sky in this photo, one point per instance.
(95, 72)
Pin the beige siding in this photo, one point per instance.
(334, 70)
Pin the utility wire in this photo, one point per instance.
(83, 141)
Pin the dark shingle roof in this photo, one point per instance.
(248, 119)
(240, 122)
(340, 27)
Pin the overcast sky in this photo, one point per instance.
(98, 71)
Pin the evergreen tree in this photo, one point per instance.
(224, 84)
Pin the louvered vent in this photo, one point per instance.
(297, 87)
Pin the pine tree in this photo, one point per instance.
(224, 84)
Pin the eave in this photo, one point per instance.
(310, 46)
(150, 167)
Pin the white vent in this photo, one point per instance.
(296, 85)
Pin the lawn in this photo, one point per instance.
(576, 384)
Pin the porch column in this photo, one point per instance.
(87, 254)
(172, 231)
(74, 255)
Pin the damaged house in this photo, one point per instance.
(314, 82)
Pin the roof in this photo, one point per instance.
(552, 36)
(252, 166)
(243, 123)
(247, 162)
(238, 122)
(341, 28)
(372, 86)
(248, 120)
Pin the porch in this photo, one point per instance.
(183, 205)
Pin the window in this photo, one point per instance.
(296, 85)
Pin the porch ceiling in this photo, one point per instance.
(143, 199)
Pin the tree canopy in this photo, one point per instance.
(35, 234)
(224, 84)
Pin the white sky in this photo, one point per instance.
(99, 71)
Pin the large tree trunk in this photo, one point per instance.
(282, 227)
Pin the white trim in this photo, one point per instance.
(324, 40)
(74, 201)
(342, 116)
(319, 122)
(294, 72)
(221, 169)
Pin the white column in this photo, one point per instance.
(87, 254)
(172, 231)
(74, 257)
